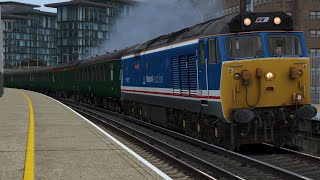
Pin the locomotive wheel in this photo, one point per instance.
(226, 137)
(118, 108)
(212, 135)
(198, 127)
(126, 108)
(186, 122)
(278, 143)
(132, 110)
(138, 113)
(104, 103)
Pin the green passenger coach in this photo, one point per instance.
(96, 80)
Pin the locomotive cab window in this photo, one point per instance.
(284, 45)
(244, 47)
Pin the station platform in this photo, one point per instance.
(54, 142)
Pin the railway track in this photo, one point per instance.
(147, 147)
(208, 160)
(164, 164)
(294, 161)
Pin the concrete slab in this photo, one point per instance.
(93, 164)
(14, 121)
(66, 138)
(12, 165)
(13, 138)
(66, 146)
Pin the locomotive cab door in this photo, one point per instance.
(214, 66)
(209, 66)
(203, 67)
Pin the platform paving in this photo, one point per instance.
(66, 146)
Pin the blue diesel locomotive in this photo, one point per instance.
(236, 80)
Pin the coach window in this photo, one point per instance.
(101, 73)
(111, 72)
(201, 52)
(89, 77)
(107, 72)
(87, 74)
(97, 73)
(81, 74)
(92, 70)
(94, 73)
(84, 74)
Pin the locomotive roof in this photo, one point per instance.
(116, 55)
(232, 23)
(214, 26)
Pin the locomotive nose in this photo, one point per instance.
(261, 84)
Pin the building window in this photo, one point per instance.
(315, 33)
(314, 15)
(314, 52)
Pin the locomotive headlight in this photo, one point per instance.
(277, 21)
(300, 73)
(247, 21)
(269, 76)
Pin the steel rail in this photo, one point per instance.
(303, 156)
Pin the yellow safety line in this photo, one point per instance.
(29, 163)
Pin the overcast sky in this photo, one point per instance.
(42, 2)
